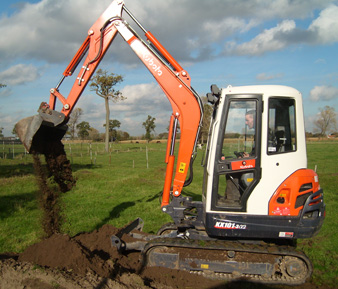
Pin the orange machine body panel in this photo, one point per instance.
(289, 198)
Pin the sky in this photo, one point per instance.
(223, 42)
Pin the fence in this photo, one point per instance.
(12, 149)
(135, 155)
(143, 155)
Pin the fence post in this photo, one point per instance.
(110, 150)
(70, 152)
(91, 153)
(147, 156)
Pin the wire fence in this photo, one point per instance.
(12, 150)
(136, 155)
(322, 156)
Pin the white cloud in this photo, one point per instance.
(53, 30)
(309, 120)
(300, 9)
(268, 40)
(325, 93)
(47, 30)
(9, 119)
(218, 30)
(320, 61)
(19, 74)
(326, 25)
(263, 76)
(322, 30)
(142, 99)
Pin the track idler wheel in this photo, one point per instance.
(293, 267)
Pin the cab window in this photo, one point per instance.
(239, 134)
(282, 126)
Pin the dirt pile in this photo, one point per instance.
(90, 260)
(81, 254)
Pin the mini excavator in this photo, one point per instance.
(258, 196)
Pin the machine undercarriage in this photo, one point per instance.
(193, 251)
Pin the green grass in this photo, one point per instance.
(323, 248)
(121, 186)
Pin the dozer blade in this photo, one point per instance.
(36, 132)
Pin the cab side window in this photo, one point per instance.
(282, 125)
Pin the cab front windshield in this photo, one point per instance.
(239, 134)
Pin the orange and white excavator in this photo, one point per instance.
(258, 196)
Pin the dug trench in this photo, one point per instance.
(87, 260)
(58, 172)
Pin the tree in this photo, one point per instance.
(326, 120)
(83, 129)
(94, 134)
(1, 134)
(104, 85)
(207, 108)
(149, 125)
(73, 120)
(14, 131)
(123, 135)
(163, 135)
(113, 124)
(2, 85)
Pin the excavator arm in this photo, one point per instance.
(172, 78)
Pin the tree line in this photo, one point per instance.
(84, 131)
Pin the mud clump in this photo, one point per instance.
(59, 170)
(59, 166)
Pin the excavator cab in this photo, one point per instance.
(256, 180)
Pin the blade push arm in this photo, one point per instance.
(174, 81)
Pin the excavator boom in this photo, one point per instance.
(35, 131)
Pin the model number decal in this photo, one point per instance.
(229, 225)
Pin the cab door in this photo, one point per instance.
(237, 158)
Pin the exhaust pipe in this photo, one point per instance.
(38, 131)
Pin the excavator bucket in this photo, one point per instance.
(38, 131)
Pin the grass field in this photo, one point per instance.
(116, 188)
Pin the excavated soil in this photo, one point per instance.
(59, 166)
(88, 260)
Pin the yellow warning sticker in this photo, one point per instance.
(182, 167)
(204, 266)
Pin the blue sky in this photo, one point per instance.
(235, 42)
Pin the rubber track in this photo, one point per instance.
(280, 277)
